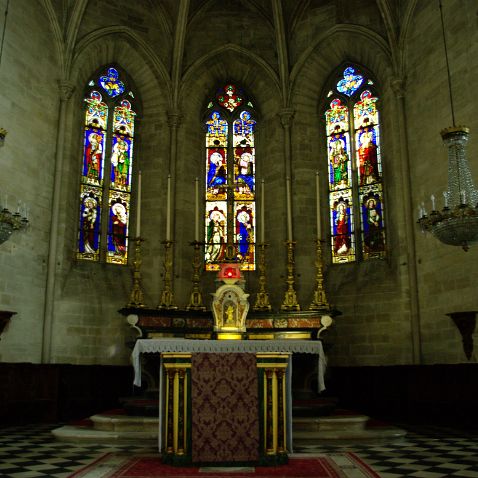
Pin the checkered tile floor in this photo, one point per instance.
(31, 451)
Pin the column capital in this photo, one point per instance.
(398, 86)
(174, 119)
(286, 115)
(66, 88)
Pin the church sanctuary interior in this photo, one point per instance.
(264, 207)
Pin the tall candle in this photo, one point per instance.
(263, 234)
(168, 210)
(319, 232)
(196, 210)
(289, 211)
(432, 197)
(138, 209)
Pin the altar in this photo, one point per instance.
(227, 386)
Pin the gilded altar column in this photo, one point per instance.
(66, 89)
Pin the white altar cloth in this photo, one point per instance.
(225, 346)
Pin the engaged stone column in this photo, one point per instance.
(66, 89)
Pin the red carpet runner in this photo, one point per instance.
(122, 466)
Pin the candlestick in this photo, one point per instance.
(432, 197)
(289, 211)
(138, 209)
(196, 210)
(263, 235)
(168, 210)
(319, 232)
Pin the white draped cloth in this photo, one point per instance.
(225, 346)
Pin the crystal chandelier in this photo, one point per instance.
(457, 223)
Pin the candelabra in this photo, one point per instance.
(320, 301)
(167, 296)
(136, 297)
(262, 299)
(10, 222)
(290, 297)
(195, 301)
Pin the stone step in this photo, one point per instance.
(330, 423)
(69, 433)
(120, 423)
(307, 432)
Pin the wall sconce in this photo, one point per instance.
(10, 222)
(3, 133)
(465, 322)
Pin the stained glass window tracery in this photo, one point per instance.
(230, 180)
(354, 170)
(106, 180)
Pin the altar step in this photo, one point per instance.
(308, 432)
(111, 429)
(342, 429)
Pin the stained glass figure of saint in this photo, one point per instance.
(341, 229)
(216, 226)
(339, 159)
(372, 224)
(118, 225)
(93, 156)
(88, 241)
(111, 83)
(217, 173)
(244, 231)
(244, 167)
(367, 154)
(120, 162)
(350, 83)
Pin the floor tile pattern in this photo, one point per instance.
(31, 451)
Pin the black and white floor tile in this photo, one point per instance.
(31, 451)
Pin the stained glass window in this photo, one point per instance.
(230, 180)
(106, 178)
(354, 169)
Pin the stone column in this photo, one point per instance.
(398, 87)
(66, 89)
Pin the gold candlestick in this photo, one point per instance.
(195, 301)
(167, 295)
(136, 297)
(290, 297)
(320, 301)
(262, 299)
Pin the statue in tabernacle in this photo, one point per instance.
(230, 304)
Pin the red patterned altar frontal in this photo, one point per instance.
(225, 410)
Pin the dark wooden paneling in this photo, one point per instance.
(58, 392)
(441, 394)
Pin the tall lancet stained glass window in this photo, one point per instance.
(230, 216)
(356, 207)
(106, 176)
